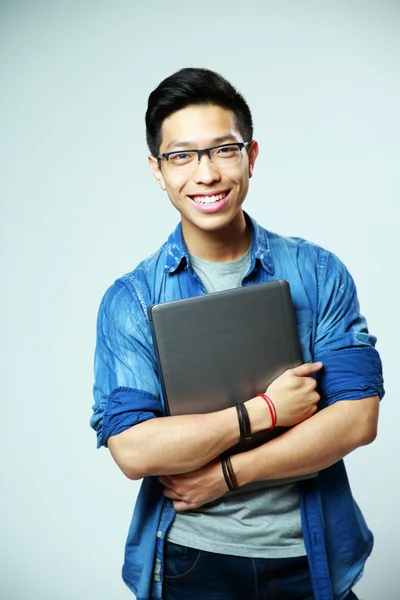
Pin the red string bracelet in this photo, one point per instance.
(272, 409)
(273, 406)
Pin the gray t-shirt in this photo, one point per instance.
(256, 520)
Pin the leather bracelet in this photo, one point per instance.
(244, 422)
(240, 421)
(231, 473)
(226, 474)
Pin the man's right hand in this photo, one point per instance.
(294, 394)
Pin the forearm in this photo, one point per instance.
(312, 445)
(172, 445)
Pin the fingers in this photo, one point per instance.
(179, 502)
(312, 411)
(180, 506)
(169, 486)
(168, 493)
(316, 398)
(164, 480)
(307, 369)
(309, 384)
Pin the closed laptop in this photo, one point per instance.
(225, 347)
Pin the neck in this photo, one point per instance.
(222, 245)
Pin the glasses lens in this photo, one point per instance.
(226, 155)
(182, 159)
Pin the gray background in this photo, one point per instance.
(79, 208)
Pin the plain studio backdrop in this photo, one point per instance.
(79, 209)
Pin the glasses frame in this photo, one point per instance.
(207, 151)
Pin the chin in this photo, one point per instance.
(213, 222)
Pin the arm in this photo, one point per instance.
(181, 443)
(187, 442)
(314, 444)
(311, 446)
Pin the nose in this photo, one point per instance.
(205, 171)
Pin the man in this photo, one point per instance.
(190, 538)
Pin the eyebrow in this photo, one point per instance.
(215, 141)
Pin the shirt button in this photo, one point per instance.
(159, 533)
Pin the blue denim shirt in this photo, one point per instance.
(127, 391)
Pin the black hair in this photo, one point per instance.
(192, 86)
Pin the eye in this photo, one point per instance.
(228, 151)
(180, 158)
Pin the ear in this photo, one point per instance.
(253, 153)
(156, 171)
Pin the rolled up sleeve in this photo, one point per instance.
(352, 366)
(126, 389)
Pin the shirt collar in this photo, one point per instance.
(260, 248)
(176, 250)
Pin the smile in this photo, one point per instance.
(209, 199)
(211, 203)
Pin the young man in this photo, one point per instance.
(190, 538)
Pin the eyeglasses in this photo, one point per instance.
(221, 156)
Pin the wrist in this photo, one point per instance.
(271, 408)
(259, 414)
(229, 473)
(244, 467)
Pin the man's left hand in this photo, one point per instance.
(193, 489)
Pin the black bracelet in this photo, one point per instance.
(226, 474)
(231, 473)
(244, 422)
(240, 420)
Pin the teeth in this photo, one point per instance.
(208, 199)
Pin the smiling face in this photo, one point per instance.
(208, 196)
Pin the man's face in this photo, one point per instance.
(198, 127)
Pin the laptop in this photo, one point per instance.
(225, 347)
